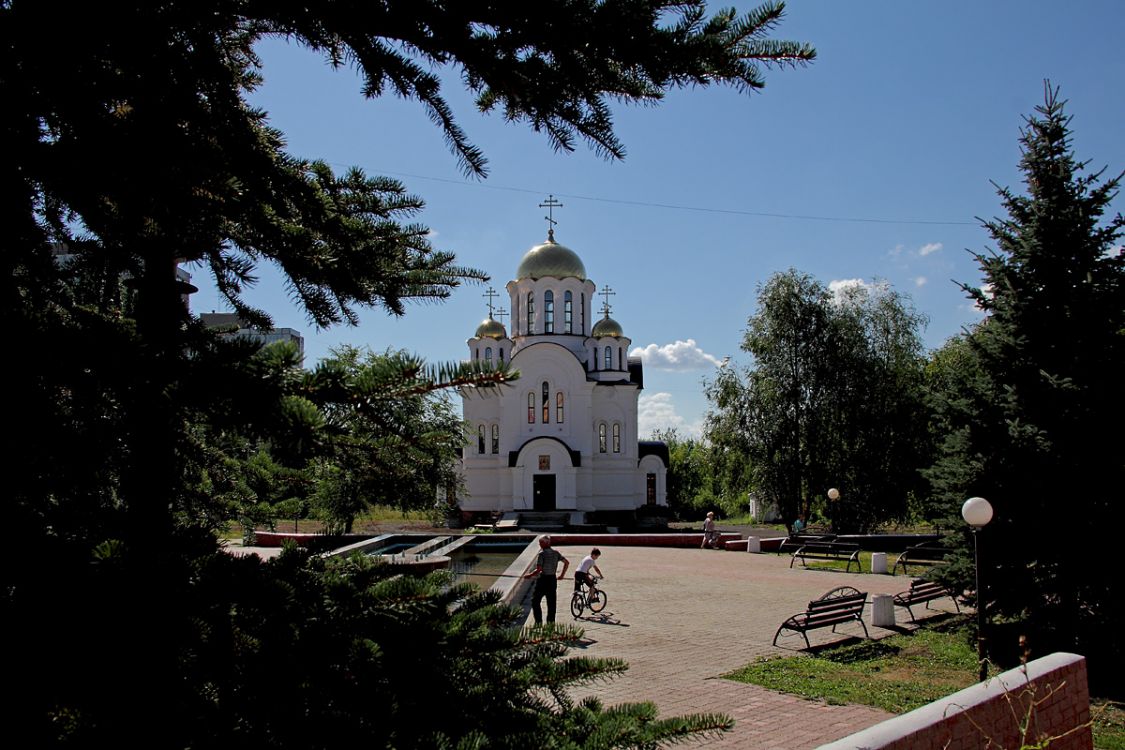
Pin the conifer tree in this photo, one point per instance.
(1031, 411)
(128, 141)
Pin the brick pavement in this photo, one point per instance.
(682, 617)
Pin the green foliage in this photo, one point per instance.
(130, 145)
(392, 438)
(832, 399)
(1027, 397)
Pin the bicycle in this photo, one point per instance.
(588, 596)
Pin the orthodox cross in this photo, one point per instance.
(501, 313)
(607, 293)
(491, 293)
(550, 204)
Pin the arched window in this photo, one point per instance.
(500, 351)
(616, 437)
(546, 402)
(559, 403)
(476, 353)
(530, 311)
(495, 438)
(568, 313)
(582, 312)
(488, 354)
(480, 439)
(601, 438)
(609, 358)
(531, 408)
(620, 358)
(548, 312)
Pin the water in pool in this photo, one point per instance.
(480, 566)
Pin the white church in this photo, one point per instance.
(563, 437)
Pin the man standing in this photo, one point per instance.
(547, 582)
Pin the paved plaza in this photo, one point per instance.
(683, 617)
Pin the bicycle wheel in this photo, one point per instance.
(577, 603)
(597, 600)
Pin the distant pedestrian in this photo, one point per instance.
(710, 536)
(799, 525)
(546, 584)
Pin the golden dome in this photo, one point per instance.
(551, 259)
(607, 326)
(492, 329)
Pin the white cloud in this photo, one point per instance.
(920, 281)
(931, 247)
(682, 355)
(656, 411)
(896, 251)
(840, 287)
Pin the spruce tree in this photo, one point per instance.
(1031, 414)
(128, 140)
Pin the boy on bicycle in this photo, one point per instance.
(582, 574)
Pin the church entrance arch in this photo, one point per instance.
(544, 475)
(543, 492)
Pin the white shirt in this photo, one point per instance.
(587, 563)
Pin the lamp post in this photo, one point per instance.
(833, 496)
(977, 512)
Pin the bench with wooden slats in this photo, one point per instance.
(840, 551)
(840, 605)
(923, 591)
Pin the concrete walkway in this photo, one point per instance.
(683, 617)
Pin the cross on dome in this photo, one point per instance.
(550, 204)
(491, 294)
(607, 293)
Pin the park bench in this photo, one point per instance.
(927, 554)
(923, 591)
(828, 551)
(839, 605)
(795, 541)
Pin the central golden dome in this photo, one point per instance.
(551, 259)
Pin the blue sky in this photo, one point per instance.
(870, 164)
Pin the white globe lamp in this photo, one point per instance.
(977, 512)
(833, 494)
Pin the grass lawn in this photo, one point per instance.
(899, 674)
(374, 519)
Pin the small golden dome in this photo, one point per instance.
(492, 329)
(607, 326)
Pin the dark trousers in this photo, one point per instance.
(545, 586)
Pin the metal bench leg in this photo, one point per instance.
(861, 622)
